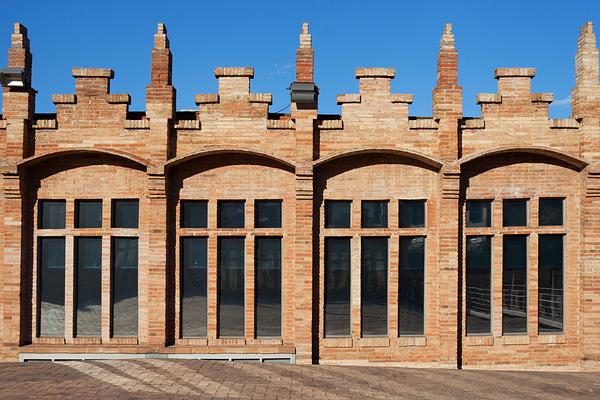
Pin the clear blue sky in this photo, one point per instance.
(264, 35)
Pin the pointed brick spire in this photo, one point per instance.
(161, 57)
(305, 57)
(160, 94)
(19, 55)
(447, 95)
(586, 94)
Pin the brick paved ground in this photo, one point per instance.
(189, 379)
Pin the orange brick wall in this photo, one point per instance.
(233, 148)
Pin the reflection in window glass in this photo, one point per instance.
(125, 213)
(230, 265)
(479, 213)
(125, 286)
(514, 284)
(194, 214)
(267, 267)
(374, 289)
(551, 212)
(267, 214)
(374, 214)
(478, 284)
(88, 214)
(193, 286)
(230, 214)
(51, 266)
(51, 214)
(88, 252)
(337, 213)
(550, 283)
(412, 213)
(412, 285)
(514, 212)
(337, 286)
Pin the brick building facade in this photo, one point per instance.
(367, 237)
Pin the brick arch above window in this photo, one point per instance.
(220, 150)
(38, 158)
(574, 162)
(403, 153)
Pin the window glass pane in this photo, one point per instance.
(193, 286)
(550, 283)
(268, 286)
(374, 214)
(337, 213)
(412, 213)
(88, 253)
(374, 291)
(230, 214)
(412, 284)
(125, 213)
(551, 212)
(514, 212)
(52, 286)
(337, 286)
(230, 264)
(194, 214)
(88, 214)
(267, 214)
(125, 286)
(479, 213)
(479, 269)
(51, 214)
(514, 284)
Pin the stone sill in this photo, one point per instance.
(280, 124)
(478, 340)
(191, 124)
(409, 341)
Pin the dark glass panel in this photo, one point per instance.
(230, 214)
(268, 286)
(551, 212)
(412, 213)
(193, 286)
(374, 286)
(88, 252)
(411, 286)
(337, 286)
(374, 214)
(51, 286)
(230, 264)
(479, 213)
(267, 214)
(479, 268)
(125, 286)
(550, 283)
(88, 214)
(514, 212)
(194, 214)
(514, 284)
(125, 213)
(337, 213)
(51, 214)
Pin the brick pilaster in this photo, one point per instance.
(154, 283)
(448, 276)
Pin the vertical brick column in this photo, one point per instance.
(447, 109)
(448, 271)
(305, 270)
(153, 310)
(14, 288)
(586, 108)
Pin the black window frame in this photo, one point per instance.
(182, 220)
(113, 213)
(363, 221)
(257, 205)
(220, 203)
(505, 203)
(469, 202)
(422, 202)
(562, 213)
(40, 213)
(327, 213)
(77, 218)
